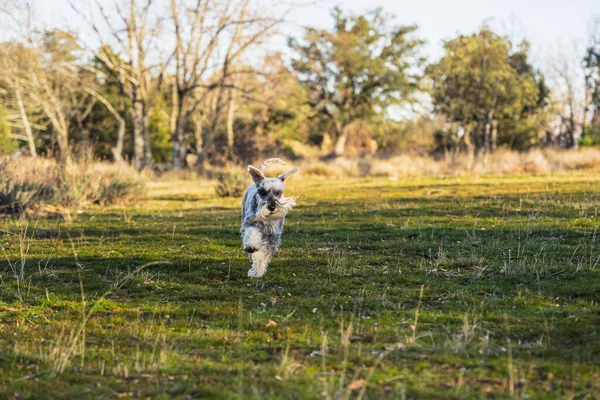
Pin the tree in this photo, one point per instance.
(128, 49)
(357, 70)
(270, 112)
(44, 79)
(591, 63)
(7, 144)
(15, 62)
(210, 37)
(477, 84)
(57, 88)
(571, 101)
(526, 129)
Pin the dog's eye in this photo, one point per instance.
(277, 193)
(262, 191)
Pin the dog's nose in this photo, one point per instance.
(271, 207)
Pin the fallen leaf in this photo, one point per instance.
(271, 324)
(356, 384)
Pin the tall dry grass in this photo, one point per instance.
(37, 185)
(501, 162)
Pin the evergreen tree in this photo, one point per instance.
(357, 70)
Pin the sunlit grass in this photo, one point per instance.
(509, 265)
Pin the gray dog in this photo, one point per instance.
(263, 213)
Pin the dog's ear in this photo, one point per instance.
(256, 174)
(285, 177)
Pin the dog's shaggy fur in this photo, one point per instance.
(261, 236)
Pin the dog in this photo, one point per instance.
(261, 236)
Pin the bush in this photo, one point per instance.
(231, 183)
(590, 136)
(31, 185)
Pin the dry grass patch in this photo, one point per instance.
(40, 185)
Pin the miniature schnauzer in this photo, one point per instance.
(263, 214)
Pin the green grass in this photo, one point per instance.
(152, 300)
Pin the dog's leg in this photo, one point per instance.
(260, 262)
(251, 239)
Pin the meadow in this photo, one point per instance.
(432, 287)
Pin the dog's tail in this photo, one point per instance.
(270, 161)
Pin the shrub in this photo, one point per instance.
(25, 185)
(590, 136)
(31, 185)
(231, 183)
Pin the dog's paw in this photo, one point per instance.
(256, 272)
(250, 249)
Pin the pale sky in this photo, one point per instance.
(547, 24)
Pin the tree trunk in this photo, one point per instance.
(122, 118)
(28, 132)
(207, 143)
(117, 151)
(570, 140)
(179, 140)
(198, 134)
(494, 138)
(176, 151)
(138, 134)
(340, 143)
(63, 145)
(230, 119)
(177, 99)
(147, 147)
(470, 147)
(486, 136)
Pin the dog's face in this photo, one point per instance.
(269, 190)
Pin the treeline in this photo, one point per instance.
(194, 83)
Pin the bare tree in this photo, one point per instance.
(43, 83)
(20, 17)
(129, 51)
(231, 108)
(571, 99)
(45, 79)
(13, 66)
(204, 28)
(17, 16)
(591, 63)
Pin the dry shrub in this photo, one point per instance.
(585, 158)
(318, 170)
(114, 184)
(33, 185)
(26, 185)
(231, 183)
(501, 161)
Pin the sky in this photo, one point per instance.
(542, 22)
(550, 25)
(547, 24)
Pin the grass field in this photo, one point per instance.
(458, 287)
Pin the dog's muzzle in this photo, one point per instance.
(271, 206)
